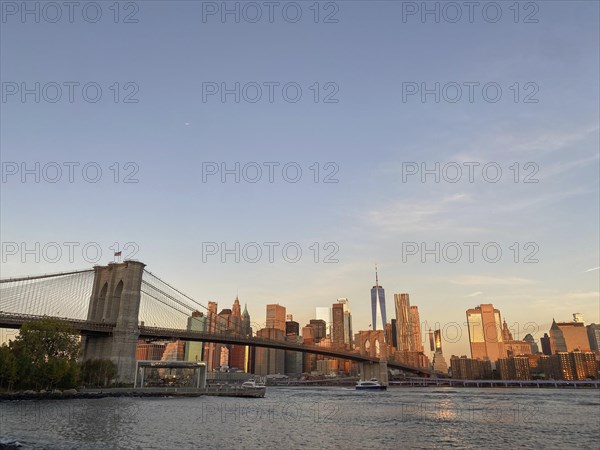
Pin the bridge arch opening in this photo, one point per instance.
(100, 301)
(116, 301)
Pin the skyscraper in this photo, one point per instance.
(557, 339)
(347, 322)
(318, 329)
(236, 315)
(210, 348)
(324, 313)
(576, 336)
(378, 304)
(246, 329)
(546, 347)
(404, 327)
(534, 347)
(439, 362)
(291, 327)
(415, 320)
(237, 353)
(337, 325)
(394, 334)
(197, 322)
(276, 317)
(485, 332)
(593, 331)
(268, 360)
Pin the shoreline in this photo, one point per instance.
(71, 394)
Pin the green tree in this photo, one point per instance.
(98, 372)
(8, 367)
(45, 352)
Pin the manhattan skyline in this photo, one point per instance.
(369, 134)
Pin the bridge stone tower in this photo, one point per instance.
(372, 343)
(115, 299)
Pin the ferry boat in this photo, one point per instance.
(371, 385)
(251, 384)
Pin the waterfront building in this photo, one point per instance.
(548, 367)
(514, 368)
(577, 365)
(585, 365)
(464, 368)
(485, 332)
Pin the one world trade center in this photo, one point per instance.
(378, 304)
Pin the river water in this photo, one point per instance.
(311, 418)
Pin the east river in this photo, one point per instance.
(312, 418)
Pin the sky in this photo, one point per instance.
(348, 95)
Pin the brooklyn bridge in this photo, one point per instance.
(115, 306)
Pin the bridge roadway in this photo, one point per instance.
(11, 320)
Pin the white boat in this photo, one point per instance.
(371, 385)
(251, 384)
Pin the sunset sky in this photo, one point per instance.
(369, 135)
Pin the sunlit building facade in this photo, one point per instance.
(404, 328)
(276, 317)
(415, 321)
(575, 335)
(485, 332)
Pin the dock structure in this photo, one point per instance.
(198, 369)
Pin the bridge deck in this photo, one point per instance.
(10, 320)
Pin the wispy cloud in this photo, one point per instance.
(592, 269)
(545, 199)
(481, 280)
(423, 215)
(501, 145)
(475, 294)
